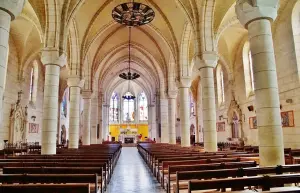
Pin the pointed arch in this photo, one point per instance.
(185, 69)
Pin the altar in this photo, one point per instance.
(128, 136)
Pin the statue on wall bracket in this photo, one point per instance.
(18, 122)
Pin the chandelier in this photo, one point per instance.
(128, 96)
(129, 75)
(133, 14)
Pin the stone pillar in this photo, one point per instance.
(199, 113)
(75, 85)
(257, 16)
(207, 65)
(172, 117)
(9, 10)
(87, 102)
(53, 63)
(153, 123)
(164, 120)
(99, 105)
(105, 121)
(94, 117)
(185, 111)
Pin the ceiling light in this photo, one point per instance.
(133, 14)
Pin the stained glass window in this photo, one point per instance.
(143, 105)
(128, 106)
(192, 105)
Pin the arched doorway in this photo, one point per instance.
(192, 134)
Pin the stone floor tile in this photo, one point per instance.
(132, 175)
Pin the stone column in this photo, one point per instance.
(75, 85)
(199, 113)
(172, 117)
(257, 16)
(105, 121)
(9, 10)
(185, 84)
(209, 100)
(94, 117)
(53, 63)
(153, 123)
(87, 102)
(164, 120)
(99, 106)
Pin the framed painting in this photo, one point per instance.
(287, 119)
(252, 122)
(33, 128)
(220, 126)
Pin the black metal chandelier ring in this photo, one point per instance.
(133, 14)
(128, 97)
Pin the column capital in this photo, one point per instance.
(75, 81)
(206, 60)
(185, 82)
(52, 57)
(172, 94)
(13, 8)
(87, 94)
(250, 10)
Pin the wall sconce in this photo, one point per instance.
(221, 117)
(250, 108)
(33, 118)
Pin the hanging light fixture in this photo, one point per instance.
(126, 96)
(132, 14)
(129, 75)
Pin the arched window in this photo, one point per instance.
(114, 108)
(192, 105)
(220, 85)
(251, 71)
(128, 108)
(33, 82)
(143, 107)
(248, 70)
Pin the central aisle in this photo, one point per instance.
(132, 175)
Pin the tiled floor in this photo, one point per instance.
(132, 175)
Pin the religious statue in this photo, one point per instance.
(18, 122)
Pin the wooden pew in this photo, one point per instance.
(226, 173)
(108, 168)
(165, 164)
(58, 164)
(57, 170)
(175, 169)
(266, 182)
(51, 178)
(45, 188)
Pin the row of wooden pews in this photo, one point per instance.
(181, 170)
(87, 169)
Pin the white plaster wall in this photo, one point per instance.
(13, 86)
